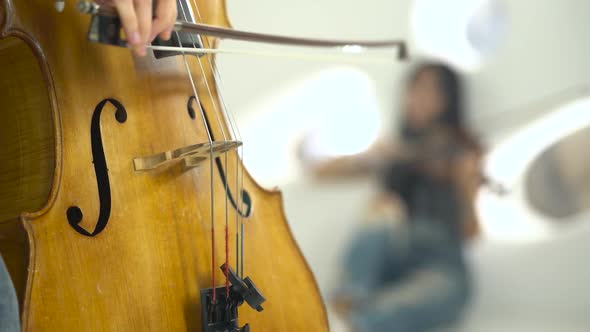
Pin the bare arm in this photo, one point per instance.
(360, 164)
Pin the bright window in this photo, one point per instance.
(336, 110)
(513, 216)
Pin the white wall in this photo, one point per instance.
(544, 52)
(251, 80)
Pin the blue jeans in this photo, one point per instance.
(9, 318)
(404, 279)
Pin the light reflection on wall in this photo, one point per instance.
(511, 217)
(461, 32)
(335, 110)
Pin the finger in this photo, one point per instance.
(143, 8)
(163, 24)
(166, 35)
(159, 28)
(127, 15)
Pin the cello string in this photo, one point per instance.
(216, 111)
(240, 235)
(212, 189)
(239, 180)
(239, 156)
(233, 128)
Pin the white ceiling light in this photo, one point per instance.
(461, 32)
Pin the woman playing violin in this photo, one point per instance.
(407, 272)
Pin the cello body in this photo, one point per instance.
(73, 116)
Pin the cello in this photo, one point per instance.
(124, 204)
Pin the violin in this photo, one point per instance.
(437, 152)
(124, 203)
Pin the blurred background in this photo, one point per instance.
(525, 64)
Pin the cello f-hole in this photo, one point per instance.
(74, 213)
(190, 108)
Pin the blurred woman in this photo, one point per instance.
(405, 271)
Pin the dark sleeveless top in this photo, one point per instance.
(425, 197)
(434, 212)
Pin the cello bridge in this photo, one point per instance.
(191, 156)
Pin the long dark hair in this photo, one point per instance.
(452, 116)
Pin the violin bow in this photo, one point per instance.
(345, 46)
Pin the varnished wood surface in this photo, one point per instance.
(27, 151)
(145, 270)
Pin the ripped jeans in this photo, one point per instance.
(9, 318)
(406, 279)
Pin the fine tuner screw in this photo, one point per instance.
(92, 8)
(87, 7)
(60, 5)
